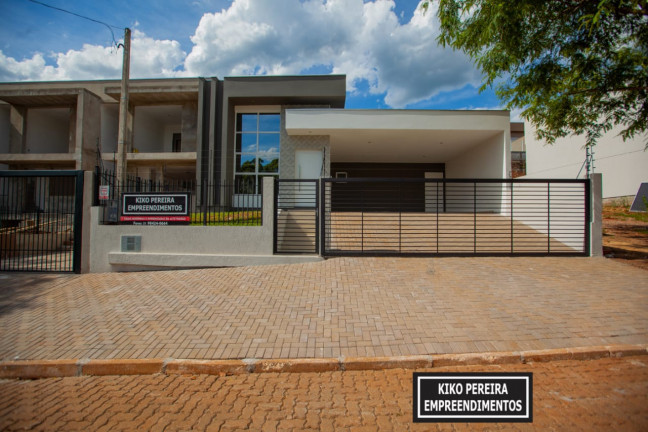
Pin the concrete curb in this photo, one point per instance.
(34, 369)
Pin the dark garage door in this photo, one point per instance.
(380, 196)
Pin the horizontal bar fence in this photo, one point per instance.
(210, 204)
(40, 220)
(296, 222)
(455, 217)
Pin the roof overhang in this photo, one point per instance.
(153, 95)
(403, 136)
(41, 97)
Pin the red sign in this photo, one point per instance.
(104, 192)
(155, 219)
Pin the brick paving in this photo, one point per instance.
(339, 307)
(606, 394)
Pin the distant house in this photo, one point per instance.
(624, 164)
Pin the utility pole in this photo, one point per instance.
(122, 140)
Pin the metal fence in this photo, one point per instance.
(454, 217)
(40, 221)
(212, 204)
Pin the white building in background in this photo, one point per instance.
(624, 164)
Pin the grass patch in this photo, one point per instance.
(624, 213)
(229, 218)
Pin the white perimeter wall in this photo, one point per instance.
(186, 246)
(487, 160)
(624, 165)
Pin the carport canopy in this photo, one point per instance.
(470, 143)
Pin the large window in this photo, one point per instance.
(257, 150)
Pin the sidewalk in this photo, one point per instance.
(344, 307)
(605, 394)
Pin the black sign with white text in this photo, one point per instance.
(473, 397)
(155, 208)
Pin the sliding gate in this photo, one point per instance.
(454, 217)
(40, 221)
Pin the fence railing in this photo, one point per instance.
(211, 204)
(455, 217)
(40, 220)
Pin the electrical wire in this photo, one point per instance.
(108, 26)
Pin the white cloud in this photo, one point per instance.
(150, 58)
(13, 70)
(516, 115)
(363, 40)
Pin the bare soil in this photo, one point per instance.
(625, 235)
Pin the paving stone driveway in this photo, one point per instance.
(338, 307)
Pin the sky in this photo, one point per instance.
(386, 48)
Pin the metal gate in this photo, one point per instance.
(462, 217)
(40, 221)
(296, 221)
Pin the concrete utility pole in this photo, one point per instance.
(122, 140)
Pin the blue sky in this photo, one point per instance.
(386, 48)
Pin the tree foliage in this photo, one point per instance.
(574, 66)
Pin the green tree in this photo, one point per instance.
(574, 66)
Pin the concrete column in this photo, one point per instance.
(86, 225)
(88, 130)
(596, 226)
(75, 127)
(202, 132)
(18, 129)
(189, 118)
(130, 129)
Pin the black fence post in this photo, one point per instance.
(95, 186)
(475, 216)
(322, 217)
(203, 198)
(275, 216)
(548, 217)
(512, 229)
(78, 222)
(587, 185)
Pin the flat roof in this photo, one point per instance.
(405, 136)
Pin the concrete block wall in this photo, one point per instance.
(290, 145)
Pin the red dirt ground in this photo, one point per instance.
(625, 236)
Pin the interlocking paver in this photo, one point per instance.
(604, 394)
(339, 307)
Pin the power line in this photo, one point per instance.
(108, 26)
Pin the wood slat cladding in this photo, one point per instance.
(381, 196)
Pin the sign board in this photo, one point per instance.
(155, 208)
(104, 192)
(473, 397)
(639, 203)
